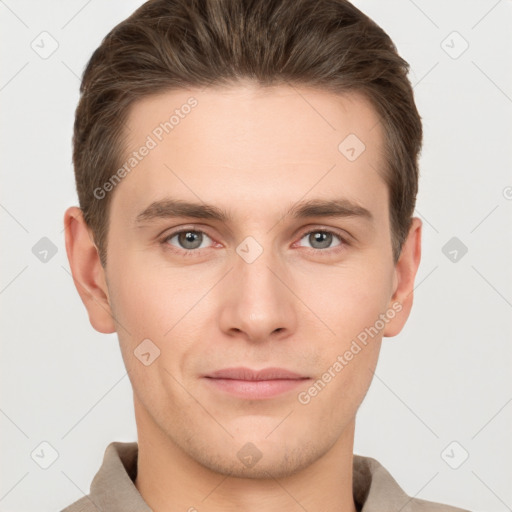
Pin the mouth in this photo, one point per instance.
(254, 384)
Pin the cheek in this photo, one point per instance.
(349, 301)
(155, 307)
(346, 300)
(334, 397)
(149, 300)
(149, 306)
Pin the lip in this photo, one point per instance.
(254, 384)
(242, 373)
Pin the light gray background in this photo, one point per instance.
(445, 378)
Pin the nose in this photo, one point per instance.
(257, 299)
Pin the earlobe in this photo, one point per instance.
(87, 271)
(404, 275)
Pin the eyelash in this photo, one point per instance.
(195, 252)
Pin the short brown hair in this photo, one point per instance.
(172, 44)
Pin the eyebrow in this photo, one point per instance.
(170, 208)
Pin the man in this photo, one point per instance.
(247, 173)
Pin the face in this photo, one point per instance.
(285, 261)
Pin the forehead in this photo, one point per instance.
(250, 111)
(282, 143)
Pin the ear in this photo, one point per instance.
(404, 275)
(87, 271)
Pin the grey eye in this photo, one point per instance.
(188, 239)
(321, 239)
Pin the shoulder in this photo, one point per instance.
(374, 486)
(417, 505)
(84, 504)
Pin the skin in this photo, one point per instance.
(255, 152)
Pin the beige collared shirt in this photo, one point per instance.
(113, 490)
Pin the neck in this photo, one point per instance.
(170, 480)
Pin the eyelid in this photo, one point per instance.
(343, 236)
(326, 229)
(166, 237)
